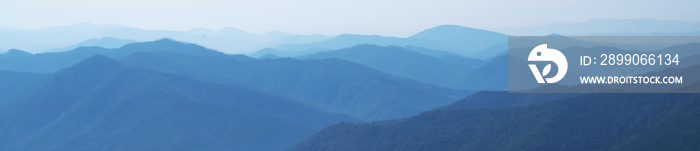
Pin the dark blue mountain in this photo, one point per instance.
(333, 84)
(502, 99)
(99, 104)
(439, 70)
(586, 122)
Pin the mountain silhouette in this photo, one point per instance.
(335, 85)
(586, 122)
(105, 42)
(404, 62)
(99, 104)
(450, 38)
(462, 40)
(50, 62)
(15, 53)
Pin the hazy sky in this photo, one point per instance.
(389, 17)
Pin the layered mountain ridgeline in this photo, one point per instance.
(586, 122)
(440, 69)
(463, 40)
(104, 42)
(335, 85)
(531, 121)
(492, 75)
(332, 84)
(99, 104)
(50, 62)
(450, 38)
(228, 39)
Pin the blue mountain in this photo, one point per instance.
(50, 62)
(450, 38)
(492, 75)
(40, 40)
(462, 40)
(332, 84)
(585, 122)
(105, 42)
(12, 82)
(99, 104)
(15, 53)
(497, 120)
(439, 70)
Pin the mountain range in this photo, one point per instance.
(61, 38)
(317, 92)
(104, 42)
(450, 38)
(18, 60)
(333, 84)
(100, 104)
(586, 122)
(439, 70)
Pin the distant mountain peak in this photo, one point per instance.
(452, 27)
(450, 30)
(169, 45)
(97, 63)
(234, 31)
(16, 52)
(163, 42)
(166, 39)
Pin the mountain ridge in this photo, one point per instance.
(98, 102)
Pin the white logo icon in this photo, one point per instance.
(542, 53)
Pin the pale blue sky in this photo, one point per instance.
(388, 17)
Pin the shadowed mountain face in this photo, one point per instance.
(99, 104)
(588, 122)
(531, 121)
(335, 85)
(12, 82)
(492, 75)
(439, 70)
